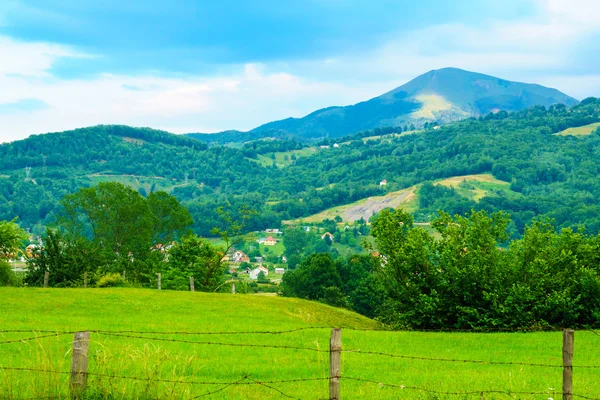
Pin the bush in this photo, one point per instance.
(111, 280)
(7, 276)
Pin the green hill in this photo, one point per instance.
(546, 174)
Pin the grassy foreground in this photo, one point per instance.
(146, 310)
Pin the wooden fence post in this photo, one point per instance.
(46, 278)
(568, 339)
(159, 281)
(79, 364)
(335, 363)
(233, 288)
(85, 280)
(192, 288)
(124, 274)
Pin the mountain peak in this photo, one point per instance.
(445, 94)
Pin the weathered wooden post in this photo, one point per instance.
(79, 364)
(335, 363)
(568, 339)
(46, 278)
(159, 281)
(233, 288)
(192, 288)
(85, 280)
(124, 274)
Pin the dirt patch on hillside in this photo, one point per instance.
(373, 205)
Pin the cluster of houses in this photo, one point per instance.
(239, 256)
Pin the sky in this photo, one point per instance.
(207, 66)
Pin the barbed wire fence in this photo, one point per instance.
(79, 371)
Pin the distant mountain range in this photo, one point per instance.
(443, 95)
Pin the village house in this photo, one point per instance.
(327, 234)
(383, 183)
(259, 259)
(275, 231)
(239, 256)
(270, 241)
(256, 271)
(279, 271)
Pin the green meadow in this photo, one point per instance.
(151, 360)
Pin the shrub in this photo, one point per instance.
(7, 276)
(111, 280)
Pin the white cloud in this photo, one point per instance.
(239, 101)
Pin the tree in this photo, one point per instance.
(294, 242)
(196, 257)
(11, 239)
(312, 277)
(111, 215)
(171, 219)
(66, 258)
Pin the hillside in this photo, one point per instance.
(443, 95)
(546, 174)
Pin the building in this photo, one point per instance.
(239, 256)
(383, 183)
(279, 271)
(275, 231)
(336, 145)
(256, 271)
(270, 241)
(259, 259)
(328, 234)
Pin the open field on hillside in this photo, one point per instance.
(580, 131)
(284, 158)
(475, 187)
(365, 208)
(149, 360)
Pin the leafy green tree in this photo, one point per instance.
(196, 257)
(11, 239)
(111, 215)
(66, 258)
(171, 219)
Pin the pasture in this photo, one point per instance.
(222, 358)
(580, 130)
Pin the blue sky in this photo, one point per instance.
(189, 66)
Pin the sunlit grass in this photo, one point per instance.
(150, 360)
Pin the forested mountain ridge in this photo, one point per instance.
(443, 95)
(553, 175)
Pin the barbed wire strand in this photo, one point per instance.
(35, 337)
(270, 387)
(382, 329)
(466, 361)
(216, 333)
(217, 343)
(222, 388)
(160, 380)
(463, 393)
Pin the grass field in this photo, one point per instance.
(280, 157)
(146, 310)
(580, 130)
(475, 187)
